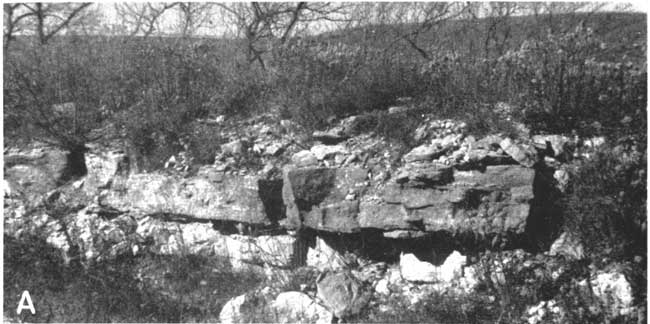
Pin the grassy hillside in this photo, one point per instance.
(565, 78)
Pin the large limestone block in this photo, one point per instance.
(383, 216)
(496, 177)
(413, 198)
(316, 197)
(35, 171)
(335, 217)
(235, 198)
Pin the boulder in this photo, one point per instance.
(324, 151)
(304, 158)
(297, 307)
(524, 154)
(233, 148)
(614, 291)
(274, 149)
(414, 270)
(399, 109)
(233, 311)
(342, 294)
(452, 268)
(235, 198)
(569, 246)
(424, 153)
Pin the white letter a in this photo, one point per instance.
(25, 303)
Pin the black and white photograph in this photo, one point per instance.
(325, 162)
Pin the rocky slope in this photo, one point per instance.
(344, 202)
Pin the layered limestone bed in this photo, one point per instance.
(282, 216)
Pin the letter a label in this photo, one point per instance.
(25, 303)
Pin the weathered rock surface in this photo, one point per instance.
(569, 246)
(525, 154)
(315, 197)
(324, 258)
(342, 294)
(414, 270)
(102, 167)
(427, 197)
(304, 158)
(424, 153)
(235, 198)
(561, 146)
(325, 151)
(34, 171)
(233, 311)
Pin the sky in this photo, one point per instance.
(170, 19)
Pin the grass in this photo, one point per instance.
(147, 288)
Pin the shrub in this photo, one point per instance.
(147, 288)
(606, 206)
(562, 83)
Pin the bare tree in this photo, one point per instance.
(193, 16)
(44, 19)
(412, 24)
(268, 24)
(143, 18)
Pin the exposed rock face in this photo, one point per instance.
(35, 171)
(315, 197)
(427, 198)
(525, 154)
(233, 198)
(103, 167)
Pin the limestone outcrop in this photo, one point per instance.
(227, 197)
(429, 197)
